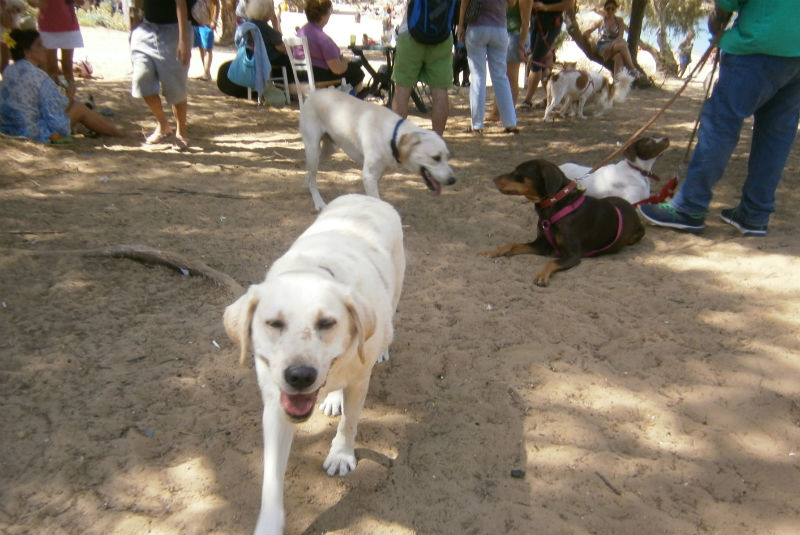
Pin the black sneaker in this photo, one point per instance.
(730, 216)
(664, 215)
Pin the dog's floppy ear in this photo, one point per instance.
(552, 177)
(237, 319)
(406, 144)
(363, 321)
(632, 152)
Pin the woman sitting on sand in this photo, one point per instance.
(31, 104)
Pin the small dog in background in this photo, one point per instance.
(630, 179)
(460, 65)
(571, 225)
(582, 87)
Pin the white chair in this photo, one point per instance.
(300, 58)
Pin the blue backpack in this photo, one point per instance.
(430, 21)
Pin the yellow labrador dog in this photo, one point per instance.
(316, 325)
(374, 137)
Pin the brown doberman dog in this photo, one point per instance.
(571, 224)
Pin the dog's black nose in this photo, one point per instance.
(300, 377)
(451, 180)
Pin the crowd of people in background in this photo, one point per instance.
(38, 96)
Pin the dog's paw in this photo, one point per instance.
(339, 463)
(384, 356)
(332, 404)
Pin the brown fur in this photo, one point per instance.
(590, 228)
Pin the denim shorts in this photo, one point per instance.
(512, 55)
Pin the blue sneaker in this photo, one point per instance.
(731, 217)
(664, 215)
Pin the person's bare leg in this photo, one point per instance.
(179, 111)
(51, 65)
(79, 113)
(205, 56)
(66, 70)
(533, 83)
(162, 129)
(400, 100)
(440, 109)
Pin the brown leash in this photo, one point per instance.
(658, 114)
(697, 121)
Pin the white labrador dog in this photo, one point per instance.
(317, 324)
(629, 179)
(374, 137)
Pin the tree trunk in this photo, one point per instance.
(635, 28)
(228, 17)
(666, 58)
(635, 25)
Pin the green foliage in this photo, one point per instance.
(679, 15)
(102, 16)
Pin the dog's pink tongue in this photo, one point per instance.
(298, 404)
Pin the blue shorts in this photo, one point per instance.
(512, 55)
(203, 37)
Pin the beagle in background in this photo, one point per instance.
(582, 87)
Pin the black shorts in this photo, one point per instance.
(543, 38)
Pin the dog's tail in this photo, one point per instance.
(621, 86)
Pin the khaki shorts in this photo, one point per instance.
(414, 61)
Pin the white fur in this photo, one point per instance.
(621, 179)
(364, 130)
(564, 87)
(326, 305)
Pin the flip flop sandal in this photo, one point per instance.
(526, 105)
(156, 137)
(181, 144)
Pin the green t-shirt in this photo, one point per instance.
(763, 27)
(513, 18)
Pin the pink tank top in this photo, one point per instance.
(57, 16)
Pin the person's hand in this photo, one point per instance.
(184, 52)
(461, 33)
(718, 20)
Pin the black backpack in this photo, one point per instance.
(429, 21)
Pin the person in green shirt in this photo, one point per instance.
(759, 76)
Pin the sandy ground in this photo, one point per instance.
(653, 391)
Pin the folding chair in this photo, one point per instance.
(256, 41)
(300, 58)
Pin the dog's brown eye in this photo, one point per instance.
(325, 323)
(437, 158)
(276, 324)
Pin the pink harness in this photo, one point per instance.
(545, 224)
